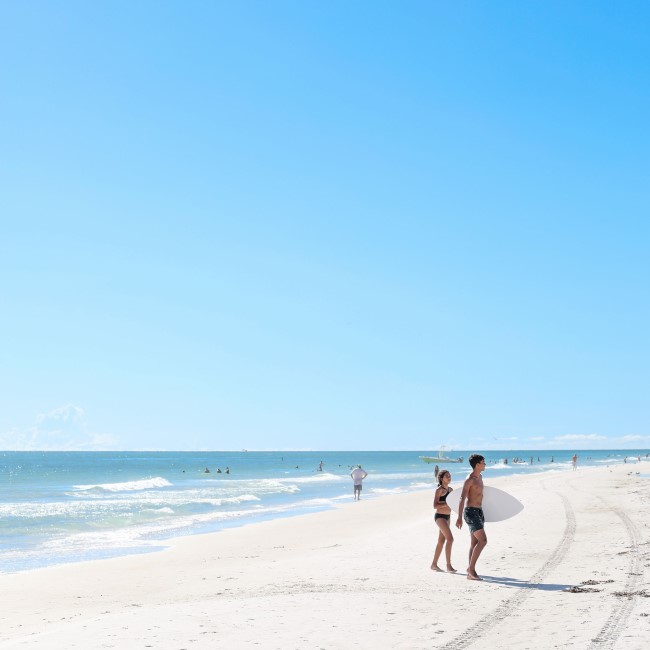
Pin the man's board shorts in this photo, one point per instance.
(358, 487)
(474, 518)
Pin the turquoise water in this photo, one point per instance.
(58, 507)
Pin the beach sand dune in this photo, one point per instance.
(570, 571)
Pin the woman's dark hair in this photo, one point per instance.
(441, 475)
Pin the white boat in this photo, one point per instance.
(441, 458)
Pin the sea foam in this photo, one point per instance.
(128, 486)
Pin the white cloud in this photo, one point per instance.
(65, 416)
(579, 437)
(570, 441)
(597, 441)
(62, 429)
(634, 439)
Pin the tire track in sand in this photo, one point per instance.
(623, 605)
(508, 606)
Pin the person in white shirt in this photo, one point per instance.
(358, 474)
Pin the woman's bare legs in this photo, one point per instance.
(445, 535)
(436, 555)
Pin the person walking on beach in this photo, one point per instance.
(574, 462)
(473, 514)
(443, 515)
(358, 474)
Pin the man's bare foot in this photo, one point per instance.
(450, 569)
(472, 575)
(435, 567)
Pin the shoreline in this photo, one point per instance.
(95, 542)
(164, 544)
(107, 505)
(363, 569)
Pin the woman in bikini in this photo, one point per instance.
(443, 512)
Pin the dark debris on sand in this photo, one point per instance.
(595, 582)
(581, 590)
(644, 593)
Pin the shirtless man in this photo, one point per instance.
(358, 474)
(473, 513)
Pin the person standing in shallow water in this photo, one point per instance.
(358, 474)
(443, 515)
(473, 514)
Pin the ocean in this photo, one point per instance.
(60, 507)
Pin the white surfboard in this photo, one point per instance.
(497, 504)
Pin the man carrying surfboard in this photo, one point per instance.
(470, 508)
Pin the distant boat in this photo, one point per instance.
(441, 458)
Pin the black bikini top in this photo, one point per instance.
(444, 497)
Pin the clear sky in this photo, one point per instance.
(324, 225)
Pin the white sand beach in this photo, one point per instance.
(360, 575)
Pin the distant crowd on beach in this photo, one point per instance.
(516, 460)
(319, 468)
(522, 461)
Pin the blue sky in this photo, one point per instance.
(324, 225)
